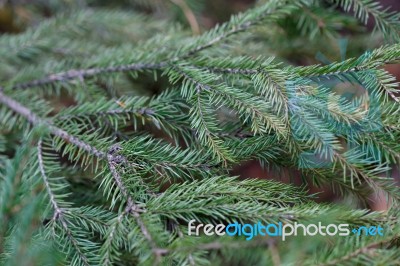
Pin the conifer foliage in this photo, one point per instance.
(118, 128)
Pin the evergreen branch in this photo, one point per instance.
(362, 70)
(242, 22)
(58, 212)
(85, 73)
(205, 125)
(386, 83)
(236, 25)
(218, 245)
(365, 169)
(230, 104)
(358, 252)
(382, 143)
(111, 236)
(249, 107)
(131, 208)
(268, 77)
(388, 54)
(165, 111)
(387, 22)
(175, 163)
(37, 121)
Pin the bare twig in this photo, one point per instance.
(191, 18)
(276, 260)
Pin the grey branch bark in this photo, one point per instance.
(112, 158)
(37, 121)
(84, 73)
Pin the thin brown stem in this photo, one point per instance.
(190, 17)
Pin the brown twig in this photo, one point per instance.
(191, 18)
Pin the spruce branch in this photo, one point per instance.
(37, 121)
(230, 103)
(58, 211)
(110, 238)
(365, 250)
(207, 40)
(81, 74)
(218, 245)
(385, 21)
(64, 135)
(131, 207)
(388, 54)
(273, 10)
